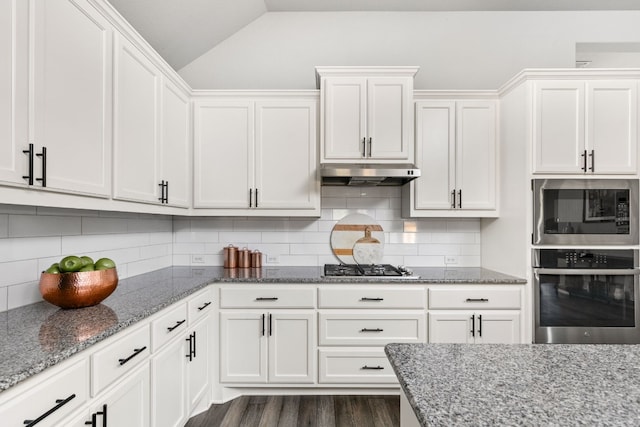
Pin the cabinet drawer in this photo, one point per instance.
(200, 306)
(67, 390)
(371, 297)
(269, 297)
(171, 323)
(474, 299)
(370, 328)
(122, 355)
(345, 366)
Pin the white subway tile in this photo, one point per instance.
(469, 261)
(331, 191)
(212, 224)
(43, 226)
(303, 224)
(209, 260)
(470, 250)
(181, 259)
(239, 237)
(17, 210)
(401, 249)
(393, 238)
(310, 249)
(334, 202)
(314, 237)
(326, 226)
(28, 248)
(328, 259)
(260, 224)
(181, 225)
(147, 265)
(387, 214)
(438, 249)
(155, 251)
(188, 248)
(279, 236)
(298, 260)
(393, 259)
(424, 261)
(338, 214)
(19, 272)
(4, 298)
(45, 210)
(368, 203)
(4, 226)
(395, 203)
(23, 294)
(425, 225)
(463, 225)
(326, 214)
(91, 243)
(461, 238)
(149, 225)
(158, 238)
(391, 226)
(119, 256)
(101, 225)
(123, 215)
(196, 236)
(272, 248)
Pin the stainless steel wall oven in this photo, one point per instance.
(586, 296)
(585, 212)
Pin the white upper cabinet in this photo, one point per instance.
(256, 156)
(585, 127)
(13, 91)
(366, 114)
(456, 154)
(70, 123)
(152, 139)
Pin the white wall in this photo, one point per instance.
(33, 238)
(455, 50)
(306, 242)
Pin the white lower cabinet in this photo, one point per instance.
(169, 374)
(349, 366)
(267, 347)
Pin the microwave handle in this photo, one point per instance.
(587, 271)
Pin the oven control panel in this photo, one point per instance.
(585, 258)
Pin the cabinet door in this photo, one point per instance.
(13, 90)
(291, 352)
(243, 347)
(223, 154)
(137, 83)
(389, 112)
(476, 154)
(198, 371)
(175, 146)
(558, 127)
(168, 370)
(450, 327)
(345, 127)
(127, 403)
(71, 95)
(612, 126)
(435, 149)
(286, 129)
(497, 327)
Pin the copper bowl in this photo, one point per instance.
(76, 290)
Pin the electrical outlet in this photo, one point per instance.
(450, 259)
(197, 259)
(273, 259)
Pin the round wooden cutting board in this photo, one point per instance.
(349, 240)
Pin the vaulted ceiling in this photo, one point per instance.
(183, 30)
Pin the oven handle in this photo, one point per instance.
(587, 271)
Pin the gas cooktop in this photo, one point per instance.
(375, 270)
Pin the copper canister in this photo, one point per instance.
(256, 259)
(230, 257)
(244, 258)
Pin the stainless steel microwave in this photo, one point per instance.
(585, 211)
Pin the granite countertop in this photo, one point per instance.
(523, 384)
(37, 336)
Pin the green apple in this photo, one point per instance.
(54, 269)
(104, 264)
(86, 260)
(88, 267)
(70, 264)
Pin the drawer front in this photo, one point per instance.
(51, 400)
(375, 329)
(267, 297)
(474, 299)
(372, 297)
(341, 366)
(121, 356)
(171, 323)
(200, 306)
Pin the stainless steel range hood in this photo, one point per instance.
(368, 174)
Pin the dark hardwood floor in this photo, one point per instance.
(298, 411)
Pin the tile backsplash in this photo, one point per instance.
(32, 238)
(295, 241)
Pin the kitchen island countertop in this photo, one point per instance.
(522, 384)
(40, 335)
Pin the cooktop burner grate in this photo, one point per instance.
(384, 270)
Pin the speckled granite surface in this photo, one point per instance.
(530, 385)
(40, 335)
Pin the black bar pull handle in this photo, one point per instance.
(251, 197)
(161, 185)
(92, 423)
(584, 160)
(206, 304)
(453, 198)
(480, 325)
(371, 330)
(371, 299)
(267, 299)
(104, 415)
(59, 404)
(43, 154)
(477, 300)
(29, 176)
(136, 351)
(262, 324)
(178, 323)
(593, 160)
(460, 199)
(376, 368)
(364, 147)
(270, 324)
(473, 325)
(190, 354)
(166, 191)
(256, 197)
(194, 344)
(369, 146)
